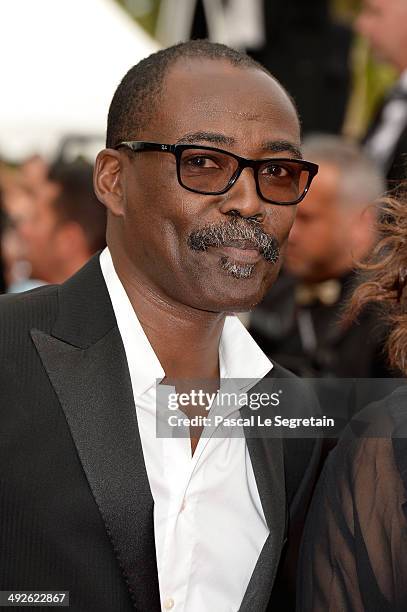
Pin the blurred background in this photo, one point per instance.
(343, 61)
(61, 62)
(310, 46)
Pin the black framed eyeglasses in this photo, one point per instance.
(212, 171)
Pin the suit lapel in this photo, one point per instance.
(86, 364)
(267, 457)
(87, 367)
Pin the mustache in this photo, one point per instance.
(236, 232)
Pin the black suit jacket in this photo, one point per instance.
(76, 510)
(395, 163)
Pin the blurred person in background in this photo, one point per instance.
(299, 42)
(298, 322)
(384, 24)
(354, 547)
(66, 224)
(309, 51)
(34, 172)
(18, 208)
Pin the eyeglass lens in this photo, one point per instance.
(210, 171)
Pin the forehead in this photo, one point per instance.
(242, 103)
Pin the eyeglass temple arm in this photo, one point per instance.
(135, 145)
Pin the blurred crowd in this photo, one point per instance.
(52, 223)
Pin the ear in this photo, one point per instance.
(108, 180)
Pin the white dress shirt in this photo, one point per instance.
(209, 524)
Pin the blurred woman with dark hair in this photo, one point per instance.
(354, 551)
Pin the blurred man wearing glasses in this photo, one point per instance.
(201, 177)
(299, 321)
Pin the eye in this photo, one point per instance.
(275, 170)
(200, 161)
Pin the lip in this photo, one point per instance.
(244, 255)
(245, 245)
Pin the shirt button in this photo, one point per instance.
(184, 503)
(169, 603)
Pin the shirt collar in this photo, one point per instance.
(144, 366)
(240, 357)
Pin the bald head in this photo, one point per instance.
(140, 92)
(335, 225)
(359, 181)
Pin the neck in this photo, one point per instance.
(185, 339)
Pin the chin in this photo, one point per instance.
(238, 288)
(243, 296)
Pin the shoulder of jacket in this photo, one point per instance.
(16, 309)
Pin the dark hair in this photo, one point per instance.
(77, 202)
(383, 277)
(138, 94)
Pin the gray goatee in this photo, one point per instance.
(237, 229)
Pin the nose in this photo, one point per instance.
(243, 198)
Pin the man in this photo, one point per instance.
(66, 224)
(96, 503)
(384, 24)
(299, 322)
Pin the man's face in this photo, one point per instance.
(39, 231)
(214, 104)
(319, 237)
(384, 24)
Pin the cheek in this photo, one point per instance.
(40, 237)
(280, 221)
(149, 183)
(311, 238)
(158, 219)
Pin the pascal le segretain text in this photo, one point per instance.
(254, 420)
